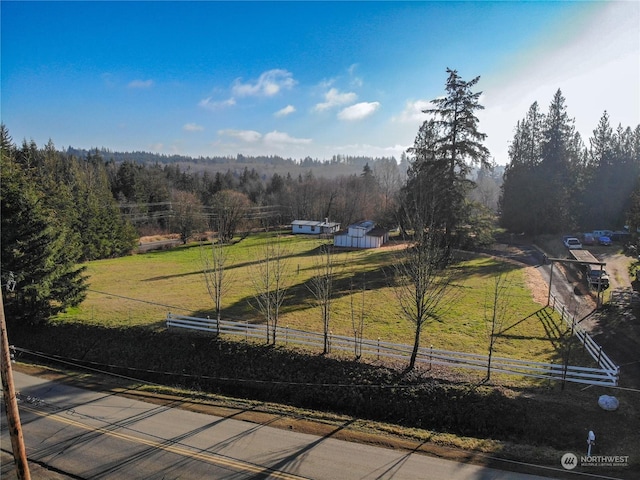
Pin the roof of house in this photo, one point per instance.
(369, 225)
(310, 223)
(314, 223)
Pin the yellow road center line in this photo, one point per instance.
(204, 456)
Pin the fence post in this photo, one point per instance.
(430, 357)
(378, 348)
(599, 354)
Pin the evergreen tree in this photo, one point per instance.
(104, 232)
(542, 185)
(633, 212)
(457, 145)
(520, 204)
(597, 196)
(560, 162)
(38, 250)
(424, 196)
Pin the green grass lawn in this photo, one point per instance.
(141, 289)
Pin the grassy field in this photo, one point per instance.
(140, 289)
(121, 328)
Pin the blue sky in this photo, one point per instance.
(303, 79)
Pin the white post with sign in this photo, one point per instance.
(591, 439)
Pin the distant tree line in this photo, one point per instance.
(159, 158)
(151, 195)
(554, 183)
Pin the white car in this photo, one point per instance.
(572, 243)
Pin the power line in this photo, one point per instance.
(172, 307)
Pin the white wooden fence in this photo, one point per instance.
(589, 344)
(604, 375)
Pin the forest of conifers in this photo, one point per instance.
(555, 183)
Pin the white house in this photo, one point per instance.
(361, 235)
(313, 227)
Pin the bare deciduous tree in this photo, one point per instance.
(228, 211)
(357, 320)
(216, 275)
(496, 306)
(321, 286)
(388, 178)
(187, 217)
(271, 280)
(423, 279)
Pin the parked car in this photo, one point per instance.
(588, 239)
(597, 278)
(572, 243)
(620, 236)
(604, 240)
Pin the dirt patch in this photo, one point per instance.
(537, 285)
(159, 238)
(618, 269)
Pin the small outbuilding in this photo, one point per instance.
(361, 235)
(314, 227)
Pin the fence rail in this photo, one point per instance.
(590, 345)
(605, 375)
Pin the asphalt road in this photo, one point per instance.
(91, 435)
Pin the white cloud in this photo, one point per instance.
(210, 104)
(412, 112)
(269, 84)
(140, 84)
(359, 111)
(326, 83)
(276, 139)
(192, 127)
(248, 136)
(283, 112)
(271, 139)
(355, 80)
(333, 98)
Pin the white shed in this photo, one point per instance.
(361, 235)
(314, 227)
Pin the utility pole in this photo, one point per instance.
(11, 404)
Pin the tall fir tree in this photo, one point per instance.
(560, 167)
(522, 181)
(459, 144)
(39, 253)
(445, 148)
